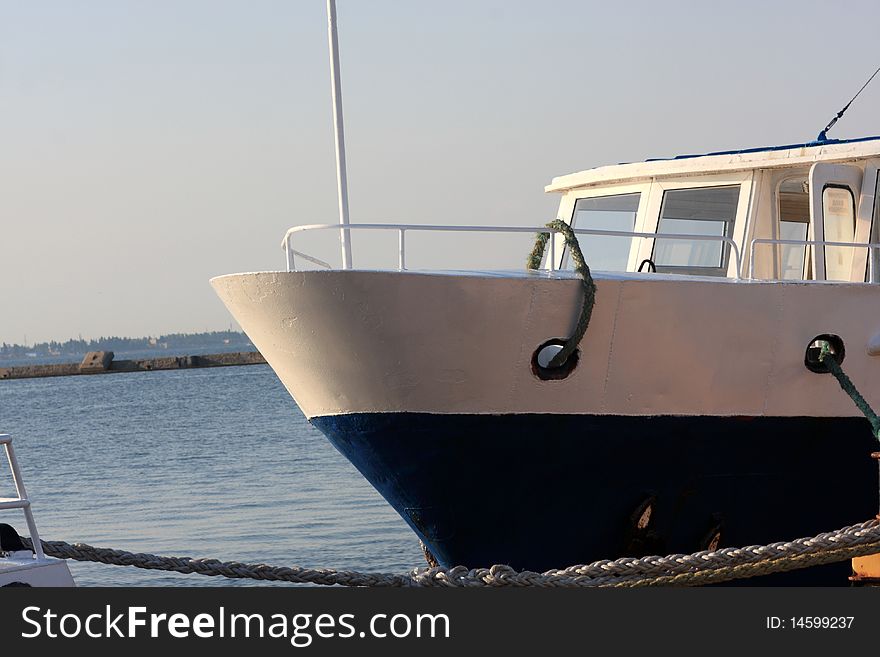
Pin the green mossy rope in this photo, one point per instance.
(826, 357)
(589, 287)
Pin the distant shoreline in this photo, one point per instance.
(54, 352)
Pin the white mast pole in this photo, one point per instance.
(341, 176)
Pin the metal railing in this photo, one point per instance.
(402, 229)
(806, 243)
(21, 501)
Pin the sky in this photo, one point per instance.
(146, 146)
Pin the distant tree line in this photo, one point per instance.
(77, 347)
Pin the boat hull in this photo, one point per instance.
(690, 391)
(540, 491)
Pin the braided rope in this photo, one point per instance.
(676, 569)
(215, 567)
(589, 287)
(826, 357)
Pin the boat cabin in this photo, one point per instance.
(805, 212)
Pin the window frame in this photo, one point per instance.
(697, 270)
(806, 271)
(567, 209)
(822, 174)
(658, 190)
(867, 216)
(854, 204)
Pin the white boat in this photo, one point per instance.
(696, 410)
(692, 414)
(21, 565)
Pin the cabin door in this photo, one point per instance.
(835, 191)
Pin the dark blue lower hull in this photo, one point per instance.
(547, 491)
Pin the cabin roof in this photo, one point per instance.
(831, 150)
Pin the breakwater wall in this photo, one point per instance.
(102, 362)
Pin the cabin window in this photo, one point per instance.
(605, 252)
(874, 254)
(709, 211)
(794, 224)
(839, 222)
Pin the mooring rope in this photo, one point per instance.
(215, 567)
(826, 357)
(677, 569)
(589, 287)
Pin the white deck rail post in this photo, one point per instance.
(22, 502)
(401, 249)
(341, 176)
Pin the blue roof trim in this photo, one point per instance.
(766, 148)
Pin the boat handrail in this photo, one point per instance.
(551, 259)
(805, 243)
(21, 501)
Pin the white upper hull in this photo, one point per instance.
(369, 341)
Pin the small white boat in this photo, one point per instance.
(19, 565)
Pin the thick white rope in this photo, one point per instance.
(676, 569)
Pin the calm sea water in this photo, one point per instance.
(205, 463)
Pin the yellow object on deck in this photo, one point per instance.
(867, 567)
